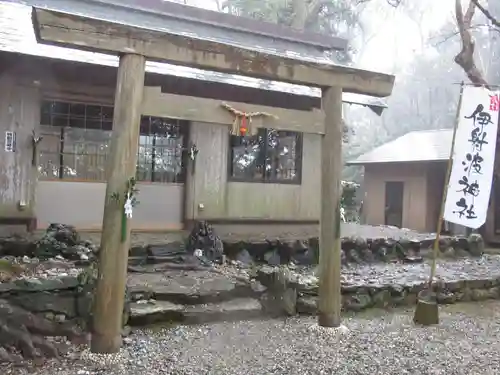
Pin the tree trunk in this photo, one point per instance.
(465, 57)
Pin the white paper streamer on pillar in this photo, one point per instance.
(128, 207)
(471, 176)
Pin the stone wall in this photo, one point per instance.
(53, 275)
(46, 289)
(362, 244)
(360, 298)
(355, 250)
(38, 300)
(388, 286)
(62, 296)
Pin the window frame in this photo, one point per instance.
(266, 180)
(183, 130)
(60, 132)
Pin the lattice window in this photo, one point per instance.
(76, 144)
(270, 156)
(76, 140)
(161, 144)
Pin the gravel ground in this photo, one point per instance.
(485, 267)
(376, 342)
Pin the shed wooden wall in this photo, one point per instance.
(424, 183)
(414, 176)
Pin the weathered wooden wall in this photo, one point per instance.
(160, 205)
(209, 194)
(19, 112)
(249, 200)
(209, 186)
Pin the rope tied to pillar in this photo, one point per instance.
(242, 125)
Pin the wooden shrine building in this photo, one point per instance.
(196, 153)
(65, 96)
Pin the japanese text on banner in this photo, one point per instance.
(471, 176)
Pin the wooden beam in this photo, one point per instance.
(330, 298)
(74, 31)
(156, 103)
(113, 258)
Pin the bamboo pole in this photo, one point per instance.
(330, 298)
(121, 167)
(445, 192)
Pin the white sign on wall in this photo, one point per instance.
(471, 176)
(10, 141)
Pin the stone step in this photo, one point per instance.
(158, 312)
(187, 287)
(154, 312)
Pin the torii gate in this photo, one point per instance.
(134, 45)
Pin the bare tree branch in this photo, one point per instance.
(392, 3)
(487, 13)
(465, 58)
(445, 37)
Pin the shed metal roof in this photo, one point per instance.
(427, 145)
(17, 36)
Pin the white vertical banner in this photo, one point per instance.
(471, 176)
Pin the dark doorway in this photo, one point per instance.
(394, 191)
